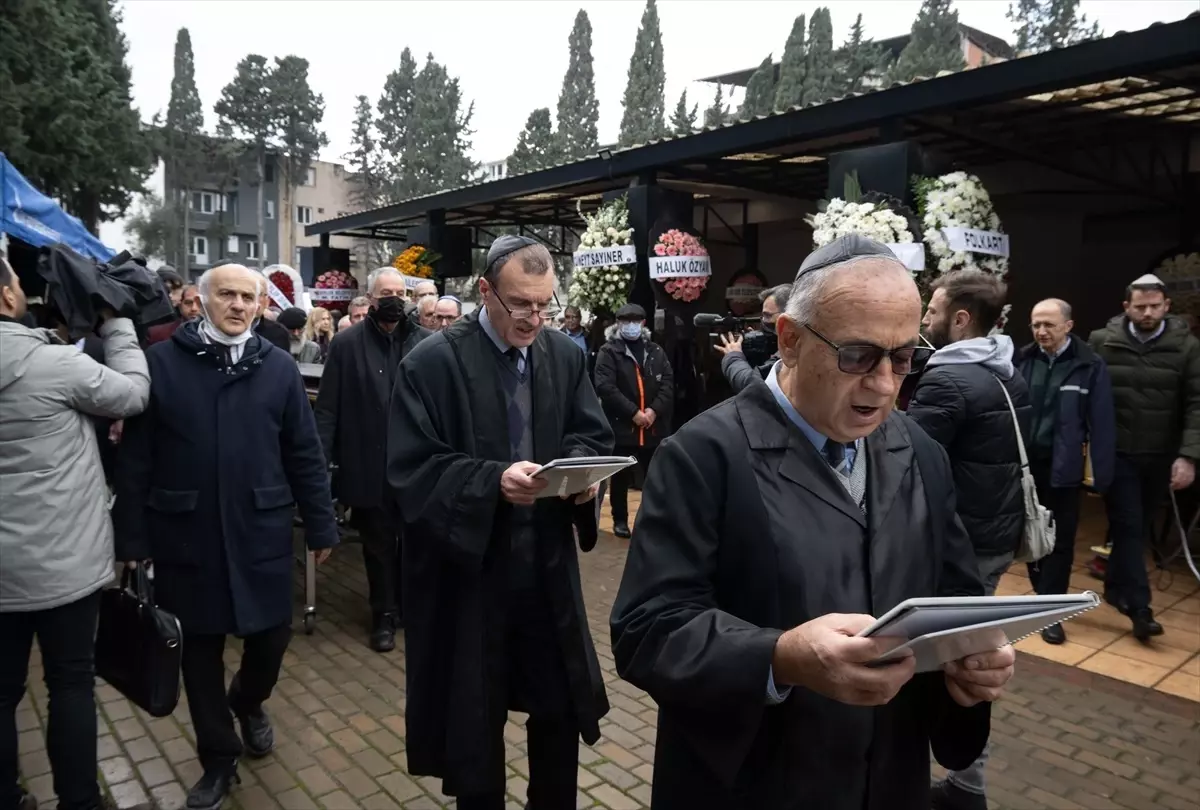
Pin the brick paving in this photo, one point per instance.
(1062, 739)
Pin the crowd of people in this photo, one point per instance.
(772, 528)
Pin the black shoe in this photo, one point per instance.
(1144, 625)
(1054, 634)
(213, 788)
(621, 529)
(258, 738)
(946, 795)
(383, 633)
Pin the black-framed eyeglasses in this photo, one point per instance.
(546, 313)
(864, 358)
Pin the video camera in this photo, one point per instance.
(758, 345)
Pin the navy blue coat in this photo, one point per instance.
(1085, 416)
(207, 478)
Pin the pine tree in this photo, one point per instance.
(153, 228)
(718, 114)
(1044, 25)
(395, 112)
(644, 104)
(244, 110)
(535, 146)
(181, 146)
(683, 120)
(819, 71)
(791, 69)
(438, 133)
(298, 115)
(365, 178)
(578, 109)
(935, 44)
(760, 91)
(859, 61)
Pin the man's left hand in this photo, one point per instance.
(981, 677)
(1183, 473)
(586, 495)
(321, 555)
(650, 417)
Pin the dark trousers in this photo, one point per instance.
(66, 636)
(217, 741)
(619, 483)
(381, 546)
(1052, 574)
(1138, 489)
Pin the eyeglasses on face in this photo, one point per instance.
(546, 313)
(864, 358)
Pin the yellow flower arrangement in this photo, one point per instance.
(416, 261)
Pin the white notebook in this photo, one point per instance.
(570, 476)
(943, 629)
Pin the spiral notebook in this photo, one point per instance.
(942, 629)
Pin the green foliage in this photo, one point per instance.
(154, 228)
(859, 60)
(791, 69)
(395, 112)
(760, 91)
(819, 71)
(438, 134)
(298, 113)
(644, 104)
(66, 121)
(1044, 25)
(935, 44)
(683, 120)
(535, 146)
(578, 109)
(717, 114)
(363, 157)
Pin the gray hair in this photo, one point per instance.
(778, 294)
(808, 290)
(360, 301)
(1062, 305)
(457, 302)
(380, 273)
(431, 300)
(205, 282)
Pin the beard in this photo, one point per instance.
(938, 336)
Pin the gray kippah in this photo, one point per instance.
(505, 246)
(844, 248)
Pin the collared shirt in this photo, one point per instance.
(579, 337)
(1057, 352)
(1140, 338)
(810, 433)
(503, 345)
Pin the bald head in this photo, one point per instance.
(425, 288)
(1063, 307)
(229, 296)
(1051, 324)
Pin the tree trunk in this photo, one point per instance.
(261, 173)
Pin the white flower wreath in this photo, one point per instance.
(607, 287)
(958, 200)
(869, 219)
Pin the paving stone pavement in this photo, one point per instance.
(1062, 738)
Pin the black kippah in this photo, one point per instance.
(844, 248)
(504, 247)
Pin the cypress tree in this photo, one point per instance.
(437, 140)
(578, 109)
(760, 91)
(395, 112)
(683, 120)
(819, 72)
(535, 146)
(717, 114)
(1044, 25)
(791, 69)
(644, 104)
(935, 44)
(859, 61)
(181, 147)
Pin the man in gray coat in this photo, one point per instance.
(56, 539)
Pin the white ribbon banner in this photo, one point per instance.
(603, 257)
(679, 266)
(411, 282)
(337, 294)
(911, 254)
(277, 295)
(745, 292)
(969, 240)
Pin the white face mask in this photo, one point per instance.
(210, 330)
(631, 331)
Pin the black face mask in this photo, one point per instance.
(388, 310)
(769, 328)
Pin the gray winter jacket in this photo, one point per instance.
(56, 539)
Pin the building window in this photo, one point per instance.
(207, 203)
(270, 209)
(320, 210)
(200, 249)
(232, 246)
(304, 214)
(296, 258)
(310, 177)
(251, 249)
(268, 172)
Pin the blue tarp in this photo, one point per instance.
(31, 216)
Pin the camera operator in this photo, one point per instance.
(741, 370)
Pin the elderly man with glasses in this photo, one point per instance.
(496, 619)
(773, 528)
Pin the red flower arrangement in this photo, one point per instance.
(287, 280)
(678, 243)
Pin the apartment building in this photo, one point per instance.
(324, 193)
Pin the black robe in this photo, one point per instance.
(745, 531)
(448, 446)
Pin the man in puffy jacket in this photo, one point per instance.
(1155, 365)
(961, 402)
(1071, 395)
(56, 539)
(636, 388)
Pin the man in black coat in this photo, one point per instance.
(635, 384)
(207, 481)
(493, 604)
(773, 528)
(351, 410)
(961, 402)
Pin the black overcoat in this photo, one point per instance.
(448, 446)
(626, 387)
(207, 479)
(352, 406)
(745, 531)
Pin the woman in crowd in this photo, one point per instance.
(319, 329)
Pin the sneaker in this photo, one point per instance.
(945, 795)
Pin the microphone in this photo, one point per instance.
(706, 320)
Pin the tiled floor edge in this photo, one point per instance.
(1182, 707)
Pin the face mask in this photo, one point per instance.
(769, 328)
(389, 310)
(631, 331)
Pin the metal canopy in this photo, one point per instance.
(1077, 110)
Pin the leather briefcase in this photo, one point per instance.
(139, 645)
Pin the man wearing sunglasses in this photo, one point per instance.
(960, 401)
(495, 612)
(772, 528)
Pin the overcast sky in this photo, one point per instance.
(509, 56)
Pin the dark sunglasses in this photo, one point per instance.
(863, 359)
